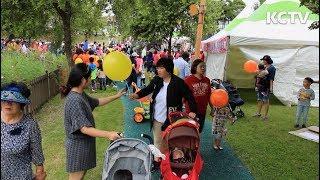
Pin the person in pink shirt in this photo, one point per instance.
(156, 57)
(138, 68)
(99, 50)
(177, 55)
(164, 54)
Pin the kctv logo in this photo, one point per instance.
(282, 17)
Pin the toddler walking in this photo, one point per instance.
(220, 116)
(305, 95)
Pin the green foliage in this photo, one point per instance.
(19, 67)
(152, 20)
(313, 5)
(23, 19)
(231, 8)
(214, 12)
(158, 20)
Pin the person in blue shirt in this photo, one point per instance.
(85, 45)
(267, 61)
(182, 65)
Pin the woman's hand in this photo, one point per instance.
(192, 115)
(133, 96)
(121, 92)
(41, 175)
(112, 135)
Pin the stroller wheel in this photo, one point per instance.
(138, 118)
(240, 114)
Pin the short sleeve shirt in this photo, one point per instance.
(80, 148)
(272, 72)
(20, 145)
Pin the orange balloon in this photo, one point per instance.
(219, 98)
(250, 66)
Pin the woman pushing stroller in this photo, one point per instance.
(168, 91)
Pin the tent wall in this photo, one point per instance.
(306, 65)
(293, 64)
(216, 65)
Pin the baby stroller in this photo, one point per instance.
(183, 156)
(128, 159)
(235, 100)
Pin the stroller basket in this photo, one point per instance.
(127, 158)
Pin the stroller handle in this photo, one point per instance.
(173, 116)
(147, 137)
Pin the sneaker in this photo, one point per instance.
(221, 148)
(296, 126)
(215, 147)
(303, 126)
(256, 115)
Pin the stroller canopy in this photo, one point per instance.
(126, 159)
(183, 133)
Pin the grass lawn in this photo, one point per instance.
(266, 148)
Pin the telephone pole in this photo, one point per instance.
(200, 27)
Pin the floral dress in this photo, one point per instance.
(220, 117)
(20, 145)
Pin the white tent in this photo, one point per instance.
(270, 30)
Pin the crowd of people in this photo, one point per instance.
(178, 83)
(24, 46)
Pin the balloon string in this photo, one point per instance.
(128, 87)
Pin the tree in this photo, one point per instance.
(159, 20)
(52, 18)
(22, 19)
(313, 5)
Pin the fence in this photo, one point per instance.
(42, 89)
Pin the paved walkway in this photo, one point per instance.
(217, 165)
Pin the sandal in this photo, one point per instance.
(265, 118)
(256, 115)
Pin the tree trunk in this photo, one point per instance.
(170, 45)
(66, 23)
(67, 39)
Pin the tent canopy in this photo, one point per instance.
(278, 28)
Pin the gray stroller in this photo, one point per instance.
(128, 159)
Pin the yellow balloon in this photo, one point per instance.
(78, 60)
(117, 66)
(176, 71)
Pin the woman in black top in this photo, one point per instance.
(168, 91)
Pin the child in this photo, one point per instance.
(102, 76)
(93, 68)
(261, 87)
(220, 116)
(305, 95)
